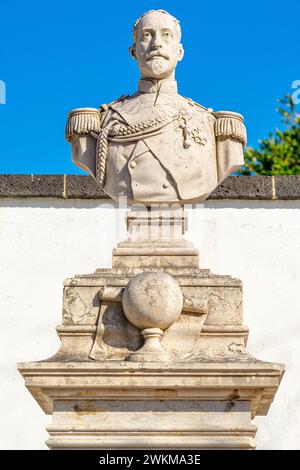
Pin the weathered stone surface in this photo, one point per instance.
(244, 187)
(287, 187)
(32, 186)
(80, 306)
(114, 404)
(83, 187)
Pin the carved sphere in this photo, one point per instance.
(152, 300)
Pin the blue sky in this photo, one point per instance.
(60, 55)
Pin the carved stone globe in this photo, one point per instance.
(152, 300)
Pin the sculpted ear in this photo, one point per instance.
(181, 52)
(132, 51)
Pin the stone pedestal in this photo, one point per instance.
(201, 393)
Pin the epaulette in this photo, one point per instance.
(82, 121)
(230, 124)
(194, 103)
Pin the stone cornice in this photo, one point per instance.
(254, 380)
(285, 187)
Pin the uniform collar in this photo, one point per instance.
(161, 86)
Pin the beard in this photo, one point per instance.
(158, 66)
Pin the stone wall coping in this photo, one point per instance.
(285, 187)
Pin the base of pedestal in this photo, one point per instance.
(112, 405)
(224, 439)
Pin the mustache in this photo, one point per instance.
(157, 54)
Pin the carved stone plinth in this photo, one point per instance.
(209, 328)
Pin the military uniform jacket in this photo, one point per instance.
(158, 146)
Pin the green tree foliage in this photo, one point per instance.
(279, 154)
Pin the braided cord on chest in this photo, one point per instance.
(121, 133)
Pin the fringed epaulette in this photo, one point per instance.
(82, 121)
(86, 120)
(229, 124)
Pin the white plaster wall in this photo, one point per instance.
(43, 241)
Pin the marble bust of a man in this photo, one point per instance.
(156, 145)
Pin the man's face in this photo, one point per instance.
(157, 47)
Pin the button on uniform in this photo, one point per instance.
(146, 177)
